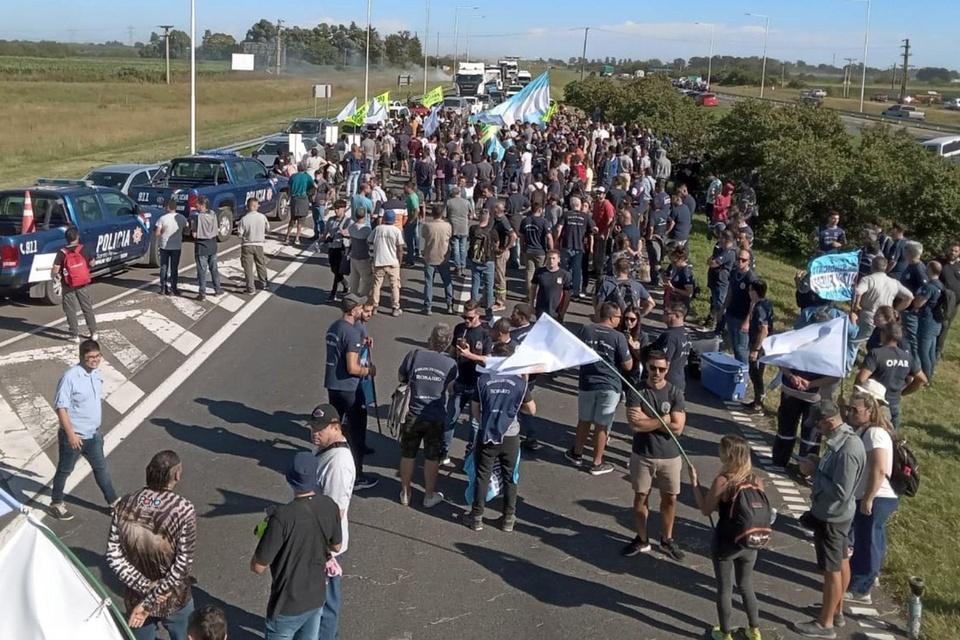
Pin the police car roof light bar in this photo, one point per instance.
(217, 152)
(63, 182)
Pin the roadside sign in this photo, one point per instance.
(321, 91)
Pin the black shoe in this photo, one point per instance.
(576, 460)
(600, 469)
(365, 482)
(531, 444)
(672, 549)
(176, 292)
(467, 520)
(201, 297)
(635, 546)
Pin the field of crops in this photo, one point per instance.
(139, 70)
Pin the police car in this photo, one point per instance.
(113, 228)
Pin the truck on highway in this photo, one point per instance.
(469, 78)
(113, 228)
(492, 78)
(903, 112)
(524, 77)
(227, 179)
(509, 68)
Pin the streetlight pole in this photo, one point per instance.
(766, 38)
(467, 53)
(193, 77)
(166, 41)
(456, 34)
(426, 35)
(866, 44)
(713, 29)
(366, 71)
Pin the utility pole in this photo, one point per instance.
(906, 66)
(279, 27)
(426, 48)
(847, 75)
(583, 57)
(783, 74)
(130, 36)
(893, 77)
(166, 41)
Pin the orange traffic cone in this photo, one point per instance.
(28, 225)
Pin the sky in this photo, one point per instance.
(816, 31)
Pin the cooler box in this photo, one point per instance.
(723, 375)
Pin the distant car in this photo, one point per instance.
(707, 100)
(397, 110)
(459, 104)
(953, 104)
(122, 176)
(309, 127)
(903, 112)
(879, 97)
(267, 152)
(818, 93)
(810, 99)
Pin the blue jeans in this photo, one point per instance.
(458, 251)
(429, 273)
(411, 237)
(330, 616)
(353, 179)
(175, 624)
(318, 224)
(927, 333)
(462, 396)
(303, 626)
(739, 340)
(205, 262)
(911, 329)
(92, 450)
(895, 415)
(482, 274)
(572, 261)
(869, 537)
(169, 268)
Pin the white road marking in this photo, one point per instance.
(122, 350)
(794, 499)
(32, 409)
(188, 307)
(230, 302)
(20, 451)
(166, 330)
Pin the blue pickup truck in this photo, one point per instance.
(227, 179)
(115, 229)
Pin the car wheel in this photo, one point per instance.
(52, 292)
(224, 224)
(282, 213)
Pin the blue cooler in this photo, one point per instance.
(723, 375)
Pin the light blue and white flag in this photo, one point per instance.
(834, 276)
(817, 348)
(495, 149)
(432, 123)
(533, 99)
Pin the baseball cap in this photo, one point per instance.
(826, 410)
(600, 190)
(390, 217)
(303, 472)
(323, 415)
(873, 388)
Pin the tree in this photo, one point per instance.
(179, 46)
(262, 31)
(217, 46)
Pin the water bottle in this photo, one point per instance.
(916, 607)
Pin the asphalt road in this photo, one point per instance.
(236, 420)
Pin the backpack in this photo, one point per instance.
(623, 294)
(748, 523)
(399, 408)
(479, 247)
(538, 196)
(75, 270)
(945, 306)
(905, 478)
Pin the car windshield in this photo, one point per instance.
(452, 102)
(309, 127)
(273, 148)
(114, 179)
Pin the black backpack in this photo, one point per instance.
(945, 306)
(748, 522)
(623, 294)
(905, 479)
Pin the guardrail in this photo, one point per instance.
(247, 143)
(917, 124)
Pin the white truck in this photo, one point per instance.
(493, 77)
(510, 67)
(469, 78)
(524, 77)
(903, 112)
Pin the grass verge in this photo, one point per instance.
(921, 534)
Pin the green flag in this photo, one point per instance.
(432, 97)
(550, 112)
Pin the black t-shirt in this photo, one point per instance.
(658, 445)
(658, 220)
(615, 196)
(675, 343)
(469, 171)
(503, 229)
(296, 545)
(680, 278)
(58, 259)
(425, 171)
(891, 366)
(610, 345)
(480, 344)
(683, 218)
(576, 227)
(534, 231)
(516, 204)
(429, 374)
(761, 316)
(950, 276)
(739, 293)
(550, 287)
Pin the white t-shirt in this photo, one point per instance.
(877, 438)
(877, 290)
(526, 162)
(384, 242)
(336, 477)
(171, 227)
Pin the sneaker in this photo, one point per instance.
(404, 498)
(575, 459)
(113, 505)
(74, 339)
(507, 523)
(672, 549)
(59, 511)
(467, 520)
(94, 336)
(432, 501)
(718, 634)
(396, 312)
(752, 634)
(450, 310)
(365, 482)
(447, 463)
(427, 311)
(499, 306)
(812, 629)
(531, 444)
(858, 598)
(635, 546)
(600, 469)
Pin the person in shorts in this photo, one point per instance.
(832, 508)
(600, 388)
(655, 460)
(431, 374)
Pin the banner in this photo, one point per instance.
(432, 123)
(834, 276)
(361, 114)
(377, 114)
(347, 111)
(547, 348)
(384, 99)
(817, 348)
(551, 112)
(487, 132)
(432, 97)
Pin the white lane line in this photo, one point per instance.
(118, 392)
(879, 636)
(794, 499)
(122, 350)
(864, 611)
(230, 302)
(164, 329)
(31, 409)
(20, 452)
(188, 307)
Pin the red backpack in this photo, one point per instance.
(75, 270)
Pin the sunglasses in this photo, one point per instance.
(630, 318)
(468, 318)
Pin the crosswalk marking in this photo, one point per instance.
(122, 350)
(20, 453)
(33, 409)
(188, 307)
(166, 330)
(230, 302)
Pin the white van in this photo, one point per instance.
(945, 147)
(458, 104)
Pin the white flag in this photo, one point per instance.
(547, 348)
(817, 348)
(348, 111)
(432, 123)
(377, 114)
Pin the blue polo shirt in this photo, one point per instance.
(342, 338)
(81, 394)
